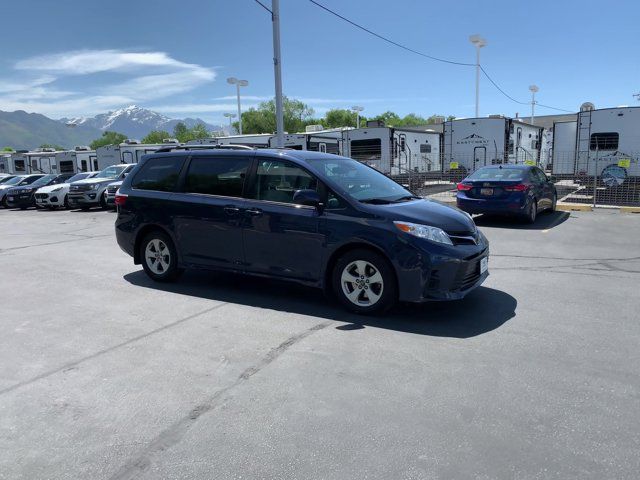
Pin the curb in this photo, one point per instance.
(574, 207)
(630, 209)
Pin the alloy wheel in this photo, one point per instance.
(362, 283)
(157, 256)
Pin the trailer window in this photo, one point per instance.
(19, 164)
(83, 165)
(95, 163)
(127, 157)
(604, 141)
(425, 148)
(369, 149)
(66, 166)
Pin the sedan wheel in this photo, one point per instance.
(159, 258)
(533, 212)
(364, 282)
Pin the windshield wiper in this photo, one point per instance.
(376, 201)
(406, 198)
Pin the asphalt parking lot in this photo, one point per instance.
(104, 374)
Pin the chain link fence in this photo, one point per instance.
(597, 178)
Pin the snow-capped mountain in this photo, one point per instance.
(135, 122)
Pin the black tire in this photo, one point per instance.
(554, 203)
(168, 261)
(386, 290)
(85, 209)
(532, 212)
(65, 202)
(103, 200)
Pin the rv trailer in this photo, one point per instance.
(80, 159)
(5, 161)
(131, 151)
(392, 150)
(41, 160)
(108, 155)
(471, 143)
(563, 151)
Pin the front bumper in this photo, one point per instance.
(20, 201)
(49, 199)
(84, 198)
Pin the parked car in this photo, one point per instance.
(5, 178)
(91, 192)
(23, 197)
(17, 181)
(520, 190)
(54, 196)
(314, 218)
(112, 188)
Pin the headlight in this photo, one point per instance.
(434, 234)
(95, 186)
(57, 189)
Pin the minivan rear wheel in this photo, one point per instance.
(159, 257)
(364, 282)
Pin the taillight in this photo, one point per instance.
(121, 199)
(463, 187)
(521, 187)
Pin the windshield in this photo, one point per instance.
(111, 172)
(5, 180)
(28, 180)
(497, 174)
(76, 177)
(14, 181)
(361, 182)
(44, 180)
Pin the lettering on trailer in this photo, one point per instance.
(473, 139)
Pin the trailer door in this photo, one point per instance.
(479, 157)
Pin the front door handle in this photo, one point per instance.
(231, 210)
(254, 212)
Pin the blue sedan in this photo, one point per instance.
(520, 190)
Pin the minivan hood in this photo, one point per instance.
(427, 212)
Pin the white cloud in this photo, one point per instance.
(144, 76)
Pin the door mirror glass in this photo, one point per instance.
(307, 197)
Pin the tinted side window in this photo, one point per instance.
(277, 181)
(217, 175)
(160, 174)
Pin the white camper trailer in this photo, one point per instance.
(41, 160)
(5, 161)
(394, 150)
(608, 144)
(108, 155)
(258, 140)
(131, 151)
(18, 163)
(471, 143)
(563, 152)
(80, 159)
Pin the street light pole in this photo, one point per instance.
(357, 109)
(277, 70)
(533, 89)
(230, 116)
(238, 84)
(479, 42)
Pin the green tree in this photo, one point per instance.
(390, 119)
(8, 149)
(181, 132)
(411, 120)
(340, 117)
(51, 145)
(108, 138)
(156, 136)
(297, 115)
(199, 131)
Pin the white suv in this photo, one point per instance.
(55, 196)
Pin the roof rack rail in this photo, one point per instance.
(203, 147)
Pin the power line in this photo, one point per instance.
(404, 47)
(389, 40)
(263, 6)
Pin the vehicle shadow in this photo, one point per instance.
(483, 310)
(545, 221)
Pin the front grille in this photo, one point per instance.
(468, 274)
(112, 189)
(464, 238)
(80, 188)
(42, 196)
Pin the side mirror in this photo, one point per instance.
(553, 178)
(307, 197)
(124, 175)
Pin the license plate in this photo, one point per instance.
(486, 191)
(484, 265)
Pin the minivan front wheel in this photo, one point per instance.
(159, 257)
(364, 282)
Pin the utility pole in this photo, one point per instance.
(275, 18)
(479, 42)
(533, 89)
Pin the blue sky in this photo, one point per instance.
(82, 57)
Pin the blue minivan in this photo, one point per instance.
(309, 217)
